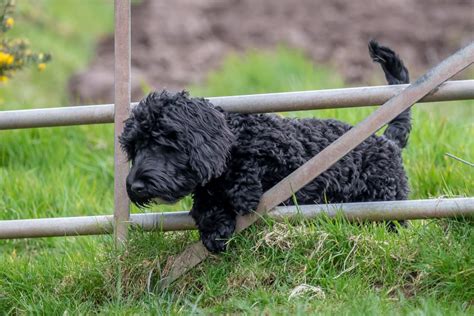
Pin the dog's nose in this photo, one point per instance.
(137, 187)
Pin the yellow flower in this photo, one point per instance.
(41, 66)
(6, 59)
(9, 22)
(3, 78)
(3, 57)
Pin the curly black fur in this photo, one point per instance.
(180, 145)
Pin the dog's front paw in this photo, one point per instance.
(216, 241)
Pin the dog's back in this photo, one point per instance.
(372, 171)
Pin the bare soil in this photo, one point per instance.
(175, 43)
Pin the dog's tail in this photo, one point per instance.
(399, 128)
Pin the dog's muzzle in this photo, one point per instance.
(139, 195)
(137, 192)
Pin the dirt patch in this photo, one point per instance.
(175, 43)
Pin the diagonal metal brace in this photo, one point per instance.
(283, 190)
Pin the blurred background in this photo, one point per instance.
(175, 44)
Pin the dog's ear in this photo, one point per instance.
(206, 134)
(210, 143)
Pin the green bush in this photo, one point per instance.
(15, 53)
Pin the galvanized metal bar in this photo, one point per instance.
(173, 221)
(336, 98)
(196, 253)
(63, 116)
(257, 103)
(122, 106)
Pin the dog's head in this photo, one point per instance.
(174, 143)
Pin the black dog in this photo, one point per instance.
(180, 145)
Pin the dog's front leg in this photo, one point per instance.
(214, 219)
(245, 187)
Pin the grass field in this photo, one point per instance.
(425, 269)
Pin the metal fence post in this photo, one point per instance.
(122, 105)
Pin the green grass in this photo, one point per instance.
(425, 269)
